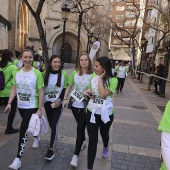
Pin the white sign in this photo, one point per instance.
(96, 103)
(95, 47)
(77, 96)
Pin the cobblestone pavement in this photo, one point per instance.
(134, 139)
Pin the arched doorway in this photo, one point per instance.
(67, 53)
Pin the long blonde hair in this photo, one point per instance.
(89, 69)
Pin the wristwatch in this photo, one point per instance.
(41, 108)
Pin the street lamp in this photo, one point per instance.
(65, 15)
(143, 41)
(90, 36)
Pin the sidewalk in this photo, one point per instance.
(32, 159)
(134, 139)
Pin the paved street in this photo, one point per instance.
(134, 139)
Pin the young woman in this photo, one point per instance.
(55, 81)
(80, 79)
(100, 110)
(8, 68)
(28, 85)
(37, 62)
(18, 61)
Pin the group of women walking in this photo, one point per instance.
(90, 102)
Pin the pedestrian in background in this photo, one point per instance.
(28, 85)
(55, 81)
(160, 81)
(37, 62)
(8, 69)
(100, 110)
(164, 127)
(18, 61)
(116, 68)
(121, 75)
(113, 69)
(80, 79)
(156, 81)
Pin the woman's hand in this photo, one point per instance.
(64, 103)
(39, 113)
(88, 93)
(57, 103)
(8, 108)
(102, 75)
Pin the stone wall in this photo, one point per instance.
(13, 19)
(3, 27)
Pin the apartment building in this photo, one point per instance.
(124, 14)
(157, 33)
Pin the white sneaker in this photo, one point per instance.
(16, 164)
(74, 161)
(84, 144)
(36, 142)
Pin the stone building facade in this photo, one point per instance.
(20, 29)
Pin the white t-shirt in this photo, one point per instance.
(81, 84)
(108, 101)
(27, 85)
(19, 65)
(52, 92)
(113, 71)
(122, 72)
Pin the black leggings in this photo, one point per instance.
(11, 115)
(92, 129)
(120, 83)
(26, 116)
(53, 116)
(80, 117)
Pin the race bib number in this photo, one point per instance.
(77, 96)
(51, 96)
(24, 98)
(96, 103)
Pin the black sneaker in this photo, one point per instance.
(50, 155)
(11, 131)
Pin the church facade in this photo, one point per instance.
(18, 29)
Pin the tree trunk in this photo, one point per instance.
(133, 60)
(42, 39)
(78, 38)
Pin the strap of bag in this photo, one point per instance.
(6, 67)
(8, 80)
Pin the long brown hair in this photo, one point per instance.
(89, 69)
(5, 57)
(48, 70)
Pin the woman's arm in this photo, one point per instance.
(68, 89)
(40, 101)
(11, 97)
(103, 92)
